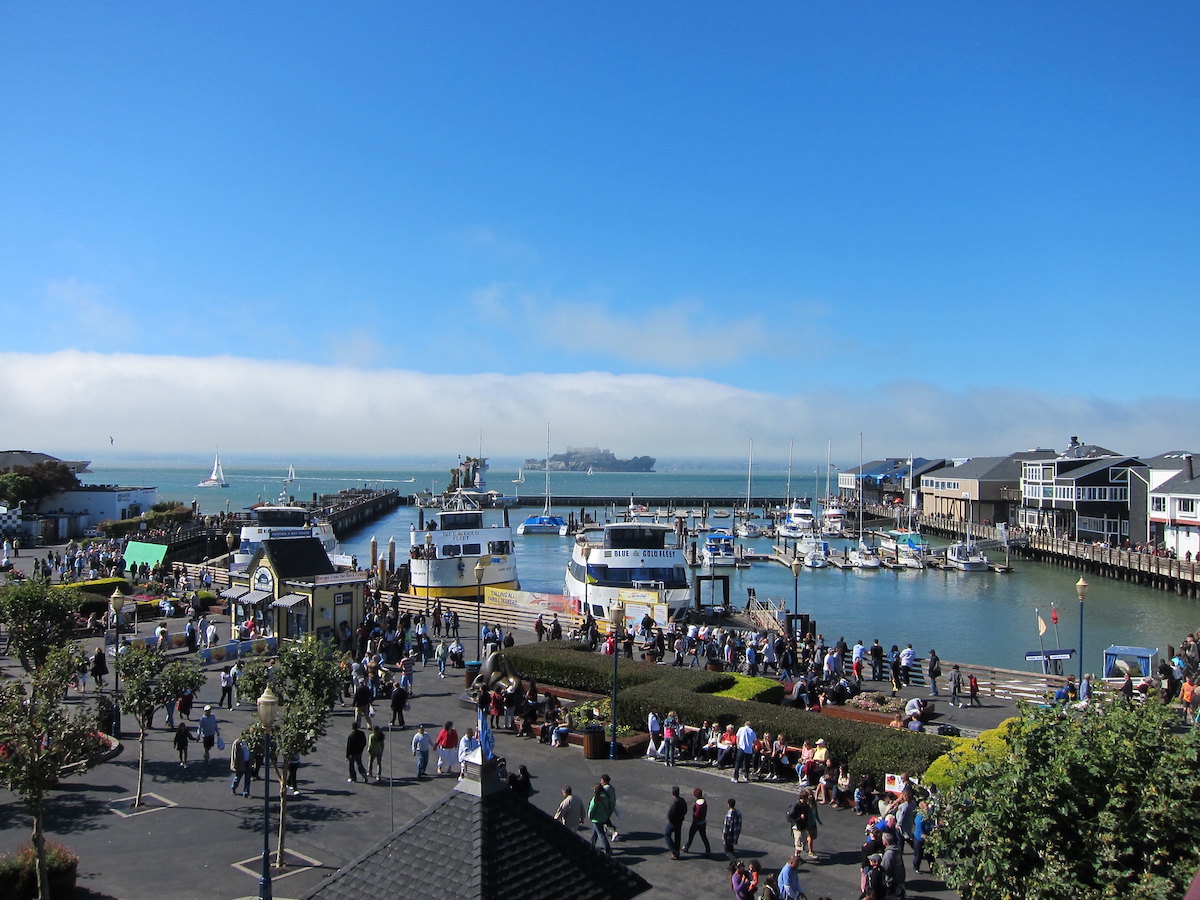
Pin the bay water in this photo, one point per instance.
(979, 617)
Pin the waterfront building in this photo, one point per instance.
(884, 482)
(984, 489)
(1173, 522)
(1087, 493)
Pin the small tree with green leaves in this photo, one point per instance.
(39, 738)
(1097, 803)
(149, 682)
(39, 618)
(307, 679)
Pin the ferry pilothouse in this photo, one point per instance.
(280, 521)
(639, 563)
(443, 557)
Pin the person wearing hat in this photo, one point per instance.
(208, 730)
(874, 885)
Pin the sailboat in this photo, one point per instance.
(291, 475)
(217, 478)
(545, 522)
(748, 528)
(864, 555)
(520, 479)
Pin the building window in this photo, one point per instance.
(1187, 507)
(1158, 504)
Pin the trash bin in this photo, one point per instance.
(594, 744)
(472, 671)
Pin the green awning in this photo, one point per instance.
(138, 552)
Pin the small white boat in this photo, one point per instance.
(545, 522)
(798, 523)
(217, 478)
(833, 521)
(719, 550)
(966, 557)
(864, 556)
(520, 479)
(749, 529)
(910, 558)
(814, 551)
(719, 513)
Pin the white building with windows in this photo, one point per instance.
(1175, 510)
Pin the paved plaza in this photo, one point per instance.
(197, 839)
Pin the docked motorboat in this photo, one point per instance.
(798, 523)
(443, 557)
(910, 558)
(966, 557)
(636, 562)
(719, 550)
(833, 521)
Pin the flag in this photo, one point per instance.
(1041, 626)
(487, 740)
(1054, 615)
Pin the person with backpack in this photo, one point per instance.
(798, 815)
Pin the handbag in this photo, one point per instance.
(220, 742)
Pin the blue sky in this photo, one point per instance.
(664, 228)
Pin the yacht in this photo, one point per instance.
(833, 521)
(443, 557)
(749, 529)
(637, 562)
(217, 478)
(798, 523)
(719, 549)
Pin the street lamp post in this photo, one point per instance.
(480, 567)
(796, 567)
(268, 706)
(116, 602)
(617, 615)
(1081, 589)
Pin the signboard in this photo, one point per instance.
(1046, 655)
(533, 600)
(343, 597)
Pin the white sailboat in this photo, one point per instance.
(545, 522)
(520, 479)
(217, 478)
(748, 528)
(864, 556)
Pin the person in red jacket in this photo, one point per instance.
(446, 743)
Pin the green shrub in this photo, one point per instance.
(698, 695)
(762, 690)
(102, 587)
(991, 744)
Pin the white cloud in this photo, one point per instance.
(73, 400)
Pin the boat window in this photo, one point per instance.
(597, 610)
(471, 549)
(461, 520)
(633, 537)
(451, 550)
(500, 548)
(671, 577)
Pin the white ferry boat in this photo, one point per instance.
(636, 562)
(278, 522)
(442, 558)
(719, 550)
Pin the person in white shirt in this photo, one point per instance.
(746, 738)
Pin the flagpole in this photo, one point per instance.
(1041, 644)
(1054, 619)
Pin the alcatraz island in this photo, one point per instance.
(591, 459)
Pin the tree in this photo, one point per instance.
(307, 679)
(34, 483)
(39, 739)
(151, 681)
(1096, 803)
(39, 618)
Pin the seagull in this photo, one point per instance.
(110, 440)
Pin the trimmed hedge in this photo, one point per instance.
(693, 694)
(967, 751)
(100, 586)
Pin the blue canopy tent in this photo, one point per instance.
(1119, 659)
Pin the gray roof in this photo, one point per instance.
(986, 468)
(1099, 465)
(1180, 484)
(1172, 459)
(497, 846)
(297, 557)
(30, 458)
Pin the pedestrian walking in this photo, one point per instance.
(209, 731)
(731, 829)
(699, 824)
(99, 668)
(611, 791)
(973, 691)
(375, 754)
(956, 686)
(446, 744)
(356, 743)
(226, 687)
(420, 749)
(183, 737)
(599, 814)
(570, 809)
(934, 670)
(676, 813)
(240, 763)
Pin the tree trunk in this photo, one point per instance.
(283, 799)
(137, 800)
(39, 848)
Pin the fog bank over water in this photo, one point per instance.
(177, 408)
